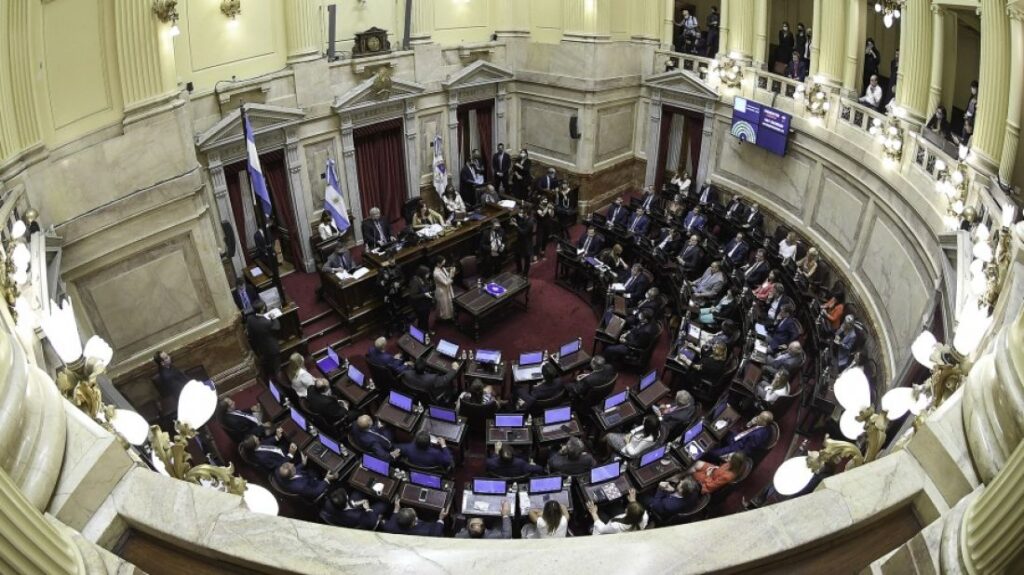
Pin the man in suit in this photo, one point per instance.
(754, 218)
(476, 528)
(501, 165)
(526, 229)
(795, 69)
(670, 500)
(736, 250)
(404, 521)
(488, 196)
(639, 223)
(638, 338)
(652, 302)
(319, 401)
(668, 243)
(636, 284)
(437, 387)
(240, 423)
(601, 372)
(695, 220)
(756, 271)
(708, 196)
(792, 359)
(376, 231)
(710, 284)
(649, 201)
(548, 182)
(590, 243)
(296, 480)
(340, 260)
(353, 511)
(756, 436)
(505, 463)
(271, 452)
(262, 334)
(376, 355)
(735, 211)
(691, 256)
(786, 332)
(549, 387)
(572, 459)
(374, 439)
(493, 247)
(470, 178)
(264, 240)
(244, 295)
(845, 341)
(778, 300)
(617, 214)
(421, 297)
(675, 416)
(422, 454)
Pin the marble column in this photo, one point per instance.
(992, 532)
(760, 33)
(1013, 110)
(20, 39)
(300, 198)
(644, 21)
(302, 27)
(412, 152)
(351, 175)
(724, 26)
(938, 44)
(741, 28)
(422, 24)
(915, 60)
(145, 59)
(655, 111)
(28, 542)
(512, 19)
(830, 37)
(668, 29)
(587, 20)
(501, 116)
(454, 160)
(993, 86)
(854, 49)
(8, 123)
(707, 132)
(223, 201)
(816, 32)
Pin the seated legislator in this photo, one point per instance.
(300, 379)
(791, 359)
(421, 453)
(548, 183)
(714, 477)
(479, 394)
(653, 301)
(710, 284)
(673, 498)
(845, 341)
(320, 402)
(637, 338)
(425, 217)
(633, 519)
(340, 260)
(438, 387)
(239, 423)
(489, 197)
(712, 365)
(756, 271)
(636, 284)
(708, 195)
(550, 522)
(649, 200)
(377, 356)
(736, 250)
(777, 301)
(695, 220)
(769, 390)
(550, 386)
(832, 311)
(571, 459)
(807, 267)
(294, 479)
(676, 415)
(354, 510)
(617, 214)
(453, 204)
(269, 453)
(476, 528)
(681, 182)
(787, 247)
(376, 231)
(765, 291)
(612, 257)
(786, 331)
(691, 256)
(245, 295)
(372, 438)
(638, 440)
(639, 222)
(326, 229)
(601, 372)
(590, 243)
(756, 436)
(724, 308)
(668, 243)
(505, 463)
(735, 210)
(404, 522)
(753, 219)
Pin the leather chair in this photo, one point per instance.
(476, 416)
(639, 358)
(469, 271)
(596, 394)
(541, 404)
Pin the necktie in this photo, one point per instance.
(633, 225)
(732, 252)
(664, 242)
(629, 282)
(243, 296)
(380, 231)
(586, 246)
(704, 196)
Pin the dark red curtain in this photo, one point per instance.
(695, 134)
(485, 128)
(237, 212)
(276, 175)
(380, 167)
(663, 136)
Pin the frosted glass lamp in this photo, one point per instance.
(792, 476)
(898, 401)
(849, 426)
(62, 331)
(853, 392)
(259, 500)
(923, 347)
(98, 351)
(196, 404)
(130, 425)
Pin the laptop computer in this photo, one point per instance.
(401, 402)
(428, 480)
(652, 456)
(330, 363)
(378, 466)
(509, 420)
(693, 432)
(488, 356)
(330, 444)
(274, 391)
(442, 421)
(567, 351)
(529, 367)
(556, 417)
(648, 380)
(356, 376)
(448, 349)
(541, 485)
(299, 420)
(490, 486)
(615, 400)
(607, 472)
(614, 326)
(418, 335)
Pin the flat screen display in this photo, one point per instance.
(557, 415)
(545, 484)
(425, 479)
(378, 466)
(355, 375)
(489, 486)
(333, 355)
(403, 402)
(569, 349)
(508, 420)
(329, 444)
(761, 125)
(448, 349)
(299, 419)
(531, 358)
(417, 334)
(614, 400)
(274, 391)
(652, 456)
(488, 356)
(442, 413)
(693, 432)
(648, 379)
(604, 473)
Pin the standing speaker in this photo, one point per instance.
(229, 238)
(574, 128)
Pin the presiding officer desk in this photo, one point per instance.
(359, 301)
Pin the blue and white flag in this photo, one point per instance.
(259, 185)
(440, 171)
(334, 202)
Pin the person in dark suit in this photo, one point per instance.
(695, 220)
(320, 402)
(601, 372)
(437, 387)
(353, 511)
(501, 166)
(571, 459)
(649, 201)
(756, 271)
(493, 247)
(526, 229)
(792, 359)
(590, 243)
(652, 302)
(549, 386)
(376, 230)
(294, 479)
(637, 338)
(617, 214)
(169, 382)
(736, 250)
(786, 44)
(421, 297)
(476, 528)
(263, 339)
(264, 240)
(404, 522)
(675, 416)
(470, 178)
(636, 284)
(938, 124)
(422, 454)
(548, 182)
(753, 218)
(735, 210)
(374, 439)
(505, 463)
(271, 452)
(756, 436)
(668, 243)
(244, 295)
(377, 356)
(708, 195)
(691, 256)
(671, 499)
(239, 423)
(340, 260)
(639, 223)
(786, 332)
(777, 301)
(845, 341)
(521, 174)
(795, 69)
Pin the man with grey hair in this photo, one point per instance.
(601, 372)
(376, 355)
(677, 415)
(572, 459)
(376, 231)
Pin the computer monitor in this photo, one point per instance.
(403, 402)
(274, 391)
(592, 261)
(545, 484)
(648, 379)
(557, 415)
(695, 450)
(488, 356)
(531, 358)
(569, 349)
(355, 376)
(378, 466)
(425, 479)
(299, 419)
(693, 432)
(333, 355)
(490, 486)
(509, 420)
(417, 334)
(652, 456)
(616, 399)
(605, 473)
(329, 443)
(448, 349)
(442, 413)
(693, 331)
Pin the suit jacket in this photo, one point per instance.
(501, 163)
(375, 441)
(642, 335)
(754, 219)
(250, 292)
(649, 201)
(667, 504)
(562, 465)
(431, 457)
(518, 467)
(708, 195)
(638, 224)
(375, 232)
(527, 227)
(796, 70)
(674, 421)
(594, 379)
(240, 424)
(790, 361)
(343, 261)
(669, 247)
(787, 331)
(304, 484)
(325, 406)
(617, 215)
(432, 384)
(635, 286)
(595, 245)
(262, 335)
(264, 240)
(485, 241)
(756, 272)
(752, 440)
(467, 178)
(353, 518)
(735, 211)
(691, 256)
(736, 251)
(547, 183)
(270, 454)
(421, 528)
(418, 292)
(385, 359)
(505, 532)
(694, 222)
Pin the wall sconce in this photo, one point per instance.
(949, 366)
(890, 134)
(815, 99)
(890, 11)
(952, 182)
(167, 12)
(231, 8)
(729, 72)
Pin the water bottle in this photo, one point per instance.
(515, 487)
(426, 339)
(529, 421)
(479, 283)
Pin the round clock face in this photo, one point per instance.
(373, 43)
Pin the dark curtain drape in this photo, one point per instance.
(462, 116)
(237, 212)
(380, 167)
(276, 175)
(485, 129)
(663, 136)
(694, 136)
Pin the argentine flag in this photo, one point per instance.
(334, 203)
(259, 185)
(440, 171)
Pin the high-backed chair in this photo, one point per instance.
(477, 415)
(639, 358)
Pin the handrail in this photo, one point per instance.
(858, 115)
(776, 84)
(696, 65)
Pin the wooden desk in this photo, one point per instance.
(574, 362)
(746, 381)
(729, 416)
(442, 364)
(508, 435)
(272, 410)
(623, 414)
(487, 373)
(357, 397)
(481, 305)
(406, 421)
(329, 460)
(480, 505)
(452, 433)
(555, 432)
(411, 347)
(355, 300)
(262, 280)
(607, 491)
(363, 480)
(300, 437)
(290, 334)
(651, 395)
(645, 477)
(426, 498)
(528, 501)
